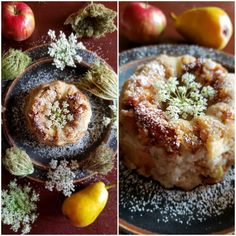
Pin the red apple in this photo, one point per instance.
(141, 22)
(17, 21)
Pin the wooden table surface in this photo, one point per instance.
(51, 221)
(170, 35)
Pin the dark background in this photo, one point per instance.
(51, 15)
(170, 35)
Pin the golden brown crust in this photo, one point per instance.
(155, 123)
(58, 113)
(182, 152)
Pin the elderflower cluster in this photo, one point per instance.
(19, 209)
(184, 98)
(58, 114)
(61, 177)
(63, 50)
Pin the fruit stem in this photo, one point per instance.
(16, 11)
(110, 186)
(173, 16)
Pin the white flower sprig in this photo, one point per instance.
(61, 177)
(19, 208)
(58, 114)
(188, 98)
(63, 50)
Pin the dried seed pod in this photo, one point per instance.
(102, 161)
(14, 63)
(100, 81)
(94, 20)
(17, 162)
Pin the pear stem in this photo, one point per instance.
(173, 16)
(110, 186)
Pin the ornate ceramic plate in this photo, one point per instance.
(14, 123)
(145, 206)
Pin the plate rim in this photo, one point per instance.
(6, 100)
(122, 67)
(123, 224)
(219, 52)
(87, 50)
(8, 90)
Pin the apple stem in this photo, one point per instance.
(16, 11)
(110, 186)
(173, 16)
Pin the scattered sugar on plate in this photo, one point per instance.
(19, 128)
(141, 195)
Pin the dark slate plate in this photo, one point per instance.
(145, 206)
(15, 126)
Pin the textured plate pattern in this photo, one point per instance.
(145, 206)
(14, 122)
(175, 50)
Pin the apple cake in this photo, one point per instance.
(58, 113)
(177, 121)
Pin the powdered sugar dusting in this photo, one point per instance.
(143, 202)
(18, 127)
(157, 68)
(141, 196)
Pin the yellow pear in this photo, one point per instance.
(206, 26)
(83, 207)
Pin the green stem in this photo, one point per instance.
(173, 16)
(110, 186)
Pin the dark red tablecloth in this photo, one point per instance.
(51, 15)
